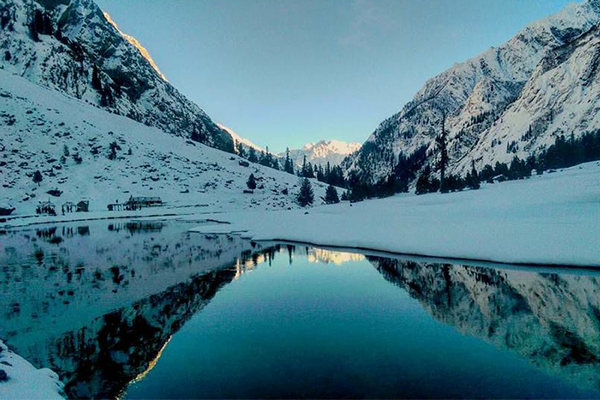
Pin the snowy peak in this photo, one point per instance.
(135, 43)
(323, 152)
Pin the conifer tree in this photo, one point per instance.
(96, 81)
(331, 195)
(473, 178)
(251, 182)
(441, 142)
(305, 196)
(423, 183)
(113, 147)
(252, 155)
(37, 177)
(304, 172)
(289, 164)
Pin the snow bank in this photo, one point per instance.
(24, 381)
(547, 220)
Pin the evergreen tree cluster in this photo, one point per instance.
(328, 174)
(564, 153)
(112, 150)
(40, 24)
(267, 159)
(107, 97)
(263, 157)
(404, 171)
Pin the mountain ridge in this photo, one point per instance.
(474, 95)
(70, 46)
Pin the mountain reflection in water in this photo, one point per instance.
(99, 302)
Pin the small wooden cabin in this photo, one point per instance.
(136, 203)
(83, 206)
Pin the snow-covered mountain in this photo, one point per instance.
(323, 152)
(70, 141)
(73, 47)
(514, 99)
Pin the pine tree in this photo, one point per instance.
(96, 80)
(252, 155)
(331, 195)
(441, 142)
(289, 164)
(240, 149)
(251, 182)
(37, 177)
(113, 147)
(305, 196)
(66, 152)
(310, 173)
(473, 178)
(33, 29)
(423, 183)
(304, 172)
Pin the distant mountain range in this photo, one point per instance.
(323, 152)
(512, 100)
(319, 153)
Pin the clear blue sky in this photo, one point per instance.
(286, 72)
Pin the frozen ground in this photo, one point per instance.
(547, 220)
(24, 381)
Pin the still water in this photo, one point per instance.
(146, 309)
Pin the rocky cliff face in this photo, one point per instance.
(71, 46)
(493, 99)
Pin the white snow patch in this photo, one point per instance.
(25, 381)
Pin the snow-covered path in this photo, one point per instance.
(552, 219)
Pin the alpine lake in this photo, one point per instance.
(142, 309)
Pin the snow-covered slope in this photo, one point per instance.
(75, 49)
(37, 123)
(323, 152)
(509, 88)
(551, 219)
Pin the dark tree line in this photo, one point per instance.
(328, 174)
(564, 153)
(40, 24)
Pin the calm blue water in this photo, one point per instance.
(297, 322)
